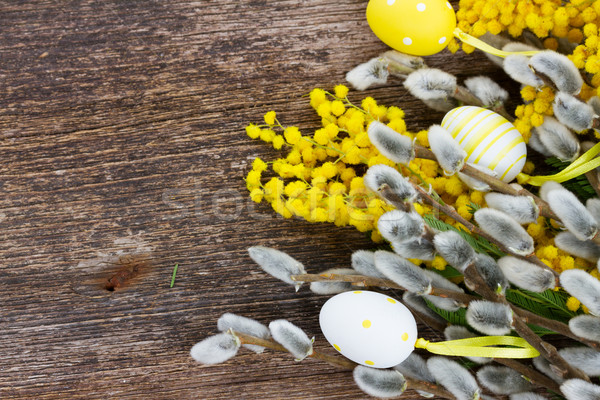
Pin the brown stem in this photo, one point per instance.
(494, 183)
(451, 212)
(341, 363)
(467, 97)
(362, 280)
(545, 349)
(553, 325)
(530, 373)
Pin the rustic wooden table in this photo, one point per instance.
(122, 132)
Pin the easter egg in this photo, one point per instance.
(369, 328)
(489, 140)
(417, 27)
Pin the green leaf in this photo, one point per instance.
(449, 272)
(579, 185)
(479, 244)
(538, 330)
(455, 318)
(548, 304)
(472, 207)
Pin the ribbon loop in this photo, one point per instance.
(585, 163)
(480, 347)
(483, 46)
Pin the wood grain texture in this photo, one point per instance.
(121, 132)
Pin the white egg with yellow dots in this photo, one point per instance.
(369, 328)
(489, 140)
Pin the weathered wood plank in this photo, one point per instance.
(121, 131)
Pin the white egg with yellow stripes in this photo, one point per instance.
(489, 140)
(369, 328)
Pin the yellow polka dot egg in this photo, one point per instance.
(369, 328)
(417, 27)
(489, 140)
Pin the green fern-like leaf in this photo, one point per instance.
(579, 185)
(548, 304)
(455, 318)
(479, 244)
(538, 330)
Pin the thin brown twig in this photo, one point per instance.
(530, 373)
(451, 212)
(341, 362)
(362, 280)
(545, 349)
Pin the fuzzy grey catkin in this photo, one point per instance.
(419, 248)
(373, 72)
(292, 338)
(546, 368)
(443, 302)
(526, 396)
(277, 264)
(325, 287)
(381, 383)
(454, 249)
(215, 349)
(558, 139)
(584, 358)
(491, 273)
(586, 326)
(399, 226)
(560, 69)
(568, 242)
(575, 114)
(391, 144)
(526, 275)
(536, 144)
(244, 325)
(549, 187)
(490, 318)
(517, 67)
(473, 183)
(486, 90)
(415, 367)
(584, 287)
(442, 105)
(594, 102)
(502, 380)
(574, 216)
(363, 262)
(430, 83)
(449, 154)
(403, 272)
(416, 302)
(457, 332)
(379, 175)
(505, 230)
(454, 377)
(476, 184)
(521, 208)
(578, 389)
(593, 206)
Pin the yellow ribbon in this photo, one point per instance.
(586, 162)
(481, 45)
(478, 347)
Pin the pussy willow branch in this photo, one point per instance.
(463, 298)
(362, 280)
(529, 317)
(342, 363)
(480, 287)
(546, 350)
(525, 370)
(451, 212)
(494, 183)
